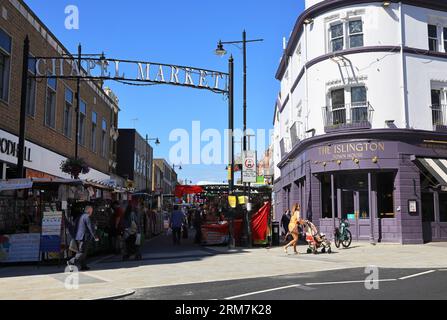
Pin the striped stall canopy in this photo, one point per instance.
(437, 168)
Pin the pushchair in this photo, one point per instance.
(316, 240)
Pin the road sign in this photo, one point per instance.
(249, 167)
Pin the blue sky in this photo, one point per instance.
(182, 33)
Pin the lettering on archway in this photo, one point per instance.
(130, 70)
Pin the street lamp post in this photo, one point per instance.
(157, 142)
(78, 103)
(221, 51)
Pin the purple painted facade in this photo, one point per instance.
(385, 156)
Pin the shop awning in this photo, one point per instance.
(15, 184)
(437, 168)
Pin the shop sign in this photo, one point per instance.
(348, 80)
(249, 174)
(351, 150)
(11, 148)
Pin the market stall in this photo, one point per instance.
(31, 219)
(35, 214)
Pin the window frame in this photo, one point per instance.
(94, 138)
(436, 49)
(54, 91)
(9, 71)
(104, 148)
(82, 116)
(350, 35)
(70, 123)
(331, 39)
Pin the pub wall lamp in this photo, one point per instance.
(311, 131)
(375, 159)
(308, 21)
(390, 124)
(386, 4)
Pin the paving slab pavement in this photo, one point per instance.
(164, 264)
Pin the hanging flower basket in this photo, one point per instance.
(75, 167)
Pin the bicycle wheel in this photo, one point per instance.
(337, 241)
(347, 239)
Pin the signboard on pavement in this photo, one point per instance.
(51, 231)
(20, 247)
(249, 174)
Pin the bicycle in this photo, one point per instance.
(342, 235)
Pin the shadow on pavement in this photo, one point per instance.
(156, 251)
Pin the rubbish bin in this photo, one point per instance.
(275, 233)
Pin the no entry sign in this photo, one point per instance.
(249, 167)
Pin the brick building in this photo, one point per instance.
(51, 105)
(134, 160)
(164, 181)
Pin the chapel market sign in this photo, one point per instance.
(85, 68)
(114, 69)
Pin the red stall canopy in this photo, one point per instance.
(259, 223)
(180, 191)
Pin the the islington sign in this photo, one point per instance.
(134, 71)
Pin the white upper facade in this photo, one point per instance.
(310, 3)
(365, 65)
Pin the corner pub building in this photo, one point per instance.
(360, 124)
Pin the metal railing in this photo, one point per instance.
(439, 115)
(348, 115)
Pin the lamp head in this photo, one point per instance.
(220, 51)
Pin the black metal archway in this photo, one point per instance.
(97, 69)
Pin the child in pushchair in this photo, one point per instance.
(316, 239)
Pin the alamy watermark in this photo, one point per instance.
(72, 278)
(72, 17)
(372, 280)
(211, 146)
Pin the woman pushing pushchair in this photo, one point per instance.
(295, 222)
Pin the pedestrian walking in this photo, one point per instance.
(295, 220)
(197, 220)
(115, 230)
(84, 233)
(177, 218)
(131, 228)
(285, 220)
